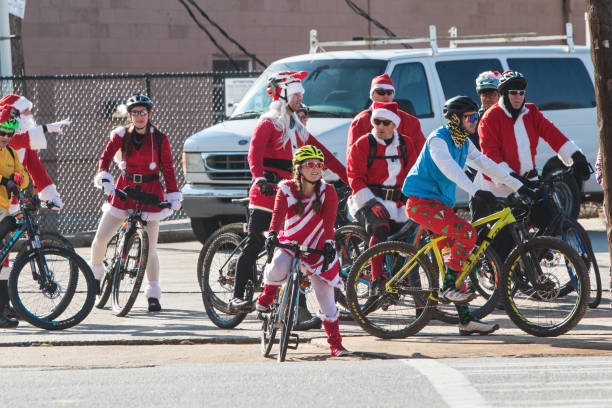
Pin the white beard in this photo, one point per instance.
(26, 122)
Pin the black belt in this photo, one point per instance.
(280, 164)
(389, 194)
(140, 178)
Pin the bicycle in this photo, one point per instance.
(46, 282)
(127, 254)
(284, 310)
(532, 274)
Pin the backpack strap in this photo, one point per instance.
(158, 143)
(11, 151)
(373, 147)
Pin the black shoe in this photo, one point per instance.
(154, 305)
(8, 323)
(9, 312)
(307, 321)
(377, 287)
(237, 304)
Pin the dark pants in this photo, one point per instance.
(259, 222)
(4, 296)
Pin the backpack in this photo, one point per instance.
(373, 145)
(158, 143)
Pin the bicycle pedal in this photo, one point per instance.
(294, 337)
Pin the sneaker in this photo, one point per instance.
(452, 295)
(340, 352)
(8, 323)
(9, 312)
(313, 323)
(154, 305)
(476, 326)
(261, 308)
(237, 304)
(377, 287)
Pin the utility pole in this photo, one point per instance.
(599, 15)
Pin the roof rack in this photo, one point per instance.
(454, 39)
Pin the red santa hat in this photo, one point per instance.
(388, 111)
(381, 82)
(15, 101)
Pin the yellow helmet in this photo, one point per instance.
(307, 152)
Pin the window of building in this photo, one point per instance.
(223, 64)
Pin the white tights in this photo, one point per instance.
(276, 272)
(106, 229)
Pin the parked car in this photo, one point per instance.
(337, 88)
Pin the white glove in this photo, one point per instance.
(57, 126)
(108, 188)
(175, 205)
(57, 201)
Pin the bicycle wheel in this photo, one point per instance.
(351, 241)
(268, 331)
(288, 307)
(575, 235)
(218, 269)
(235, 228)
(541, 310)
(130, 272)
(483, 279)
(399, 314)
(109, 261)
(70, 288)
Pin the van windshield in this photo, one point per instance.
(334, 88)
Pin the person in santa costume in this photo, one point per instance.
(28, 137)
(382, 90)
(430, 188)
(377, 165)
(305, 210)
(13, 178)
(142, 161)
(509, 135)
(277, 134)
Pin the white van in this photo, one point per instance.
(337, 88)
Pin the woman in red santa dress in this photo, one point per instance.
(141, 163)
(305, 212)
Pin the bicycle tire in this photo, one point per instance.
(488, 267)
(20, 290)
(422, 293)
(130, 276)
(287, 313)
(523, 303)
(106, 283)
(210, 262)
(235, 228)
(268, 332)
(574, 234)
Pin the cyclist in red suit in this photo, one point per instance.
(277, 134)
(382, 90)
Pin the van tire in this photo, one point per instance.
(203, 227)
(569, 192)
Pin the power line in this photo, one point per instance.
(212, 39)
(365, 15)
(260, 62)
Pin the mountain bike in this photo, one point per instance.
(127, 254)
(50, 287)
(530, 282)
(284, 310)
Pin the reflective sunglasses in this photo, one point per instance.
(143, 112)
(516, 92)
(382, 92)
(384, 122)
(471, 118)
(9, 134)
(312, 165)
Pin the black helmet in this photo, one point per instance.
(303, 108)
(511, 80)
(138, 100)
(459, 105)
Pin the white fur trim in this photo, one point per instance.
(120, 131)
(153, 290)
(566, 151)
(359, 198)
(176, 196)
(103, 175)
(37, 138)
(257, 207)
(386, 114)
(381, 86)
(22, 104)
(5, 272)
(394, 167)
(122, 165)
(523, 145)
(295, 87)
(48, 193)
(258, 179)
(499, 190)
(146, 215)
(21, 154)
(331, 319)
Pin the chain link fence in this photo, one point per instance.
(183, 103)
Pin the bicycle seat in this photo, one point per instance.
(244, 202)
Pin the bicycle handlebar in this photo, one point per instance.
(141, 197)
(294, 246)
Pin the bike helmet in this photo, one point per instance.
(487, 80)
(138, 100)
(511, 80)
(459, 105)
(288, 81)
(303, 108)
(8, 123)
(307, 152)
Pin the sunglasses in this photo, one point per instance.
(382, 92)
(383, 122)
(516, 92)
(312, 165)
(143, 112)
(9, 134)
(471, 118)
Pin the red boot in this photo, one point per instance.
(332, 329)
(267, 297)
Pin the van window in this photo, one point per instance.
(459, 77)
(412, 90)
(334, 88)
(556, 83)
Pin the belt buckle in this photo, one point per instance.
(137, 178)
(388, 194)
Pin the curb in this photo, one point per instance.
(153, 342)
